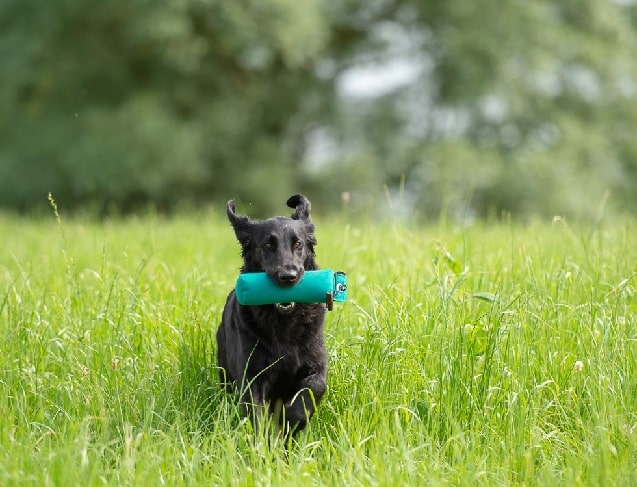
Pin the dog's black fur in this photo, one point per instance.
(275, 354)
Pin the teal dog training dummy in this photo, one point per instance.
(322, 286)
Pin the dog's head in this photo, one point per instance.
(280, 246)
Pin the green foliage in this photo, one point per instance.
(127, 103)
(524, 107)
(499, 355)
(520, 107)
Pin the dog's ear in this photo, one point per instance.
(242, 225)
(301, 205)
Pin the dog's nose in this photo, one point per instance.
(287, 276)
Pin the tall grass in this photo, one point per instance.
(488, 355)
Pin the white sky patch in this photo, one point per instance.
(322, 149)
(585, 82)
(378, 79)
(494, 108)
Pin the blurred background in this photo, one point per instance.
(472, 107)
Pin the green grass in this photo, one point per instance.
(487, 355)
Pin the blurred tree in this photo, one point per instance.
(525, 107)
(124, 103)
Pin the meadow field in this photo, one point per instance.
(501, 354)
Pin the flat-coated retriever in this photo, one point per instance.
(274, 354)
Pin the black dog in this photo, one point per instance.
(275, 354)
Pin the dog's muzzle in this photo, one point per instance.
(285, 308)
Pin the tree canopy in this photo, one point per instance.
(485, 106)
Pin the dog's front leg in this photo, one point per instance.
(254, 403)
(302, 406)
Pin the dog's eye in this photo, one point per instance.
(269, 245)
(298, 245)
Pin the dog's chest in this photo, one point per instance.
(286, 354)
(287, 344)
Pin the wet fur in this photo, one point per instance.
(271, 356)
